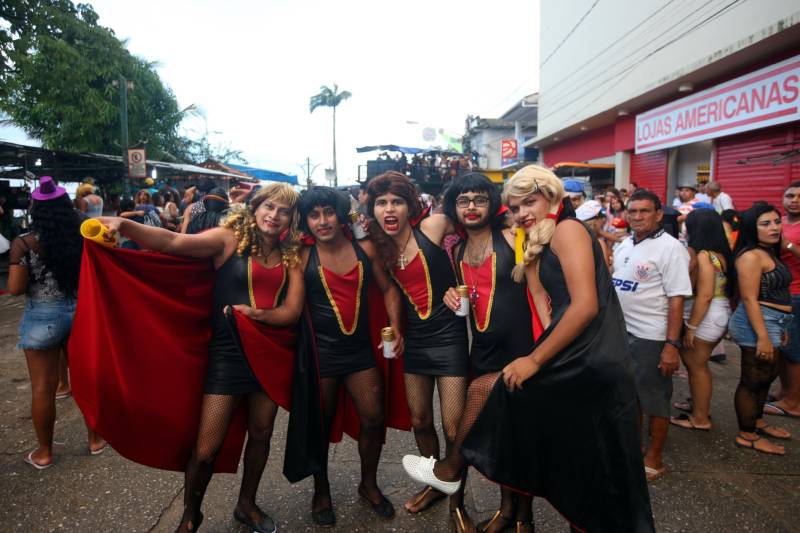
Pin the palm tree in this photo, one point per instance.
(328, 97)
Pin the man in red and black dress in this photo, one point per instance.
(500, 316)
(338, 272)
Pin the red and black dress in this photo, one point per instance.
(435, 337)
(240, 280)
(337, 305)
(500, 316)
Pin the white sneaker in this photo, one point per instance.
(421, 469)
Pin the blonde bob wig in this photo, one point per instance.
(530, 180)
(242, 222)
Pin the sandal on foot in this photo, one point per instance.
(99, 450)
(432, 497)
(776, 410)
(653, 474)
(686, 406)
(37, 466)
(265, 525)
(684, 420)
(498, 515)
(383, 508)
(764, 431)
(751, 445)
(63, 395)
(460, 518)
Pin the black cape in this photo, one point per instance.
(571, 435)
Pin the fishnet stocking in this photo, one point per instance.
(757, 375)
(261, 419)
(366, 389)
(419, 395)
(215, 416)
(451, 467)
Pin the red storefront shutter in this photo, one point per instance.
(756, 179)
(649, 171)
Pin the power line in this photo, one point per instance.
(628, 70)
(613, 76)
(592, 86)
(543, 63)
(639, 26)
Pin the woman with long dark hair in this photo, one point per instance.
(436, 351)
(44, 265)
(707, 312)
(759, 323)
(581, 452)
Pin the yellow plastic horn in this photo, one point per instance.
(96, 231)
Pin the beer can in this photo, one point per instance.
(463, 292)
(388, 336)
(355, 226)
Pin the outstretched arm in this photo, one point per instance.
(211, 243)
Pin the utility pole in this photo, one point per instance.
(308, 171)
(124, 86)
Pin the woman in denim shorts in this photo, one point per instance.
(760, 324)
(50, 283)
(706, 313)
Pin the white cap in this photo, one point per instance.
(588, 210)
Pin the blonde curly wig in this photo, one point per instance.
(242, 222)
(526, 181)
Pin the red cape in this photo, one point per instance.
(138, 355)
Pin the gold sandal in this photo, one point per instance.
(458, 519)
(498, 515)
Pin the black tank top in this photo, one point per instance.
(774, 286)
(335, 333)
(501, 325)
(424, 281)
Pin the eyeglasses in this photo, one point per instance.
(479, 201)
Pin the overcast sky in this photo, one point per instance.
(252, 67)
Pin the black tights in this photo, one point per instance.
(366, 389)
(757, 376)
(216, 414)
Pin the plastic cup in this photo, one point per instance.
(96, 231)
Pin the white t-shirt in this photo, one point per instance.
(645, 276)
(722, 202)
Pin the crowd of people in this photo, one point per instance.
(594, 302)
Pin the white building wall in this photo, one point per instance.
(643, 43)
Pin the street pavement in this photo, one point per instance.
(712, 486)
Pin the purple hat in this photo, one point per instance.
(47, 189)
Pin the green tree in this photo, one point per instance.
(59, 66)
(328, 97)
